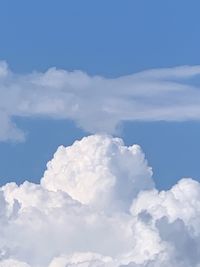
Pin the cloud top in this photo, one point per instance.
(98, 104)
(97, 206)
(99, 167)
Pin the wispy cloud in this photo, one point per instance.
(96, 103)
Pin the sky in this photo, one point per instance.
(110, 39)
(99, 133)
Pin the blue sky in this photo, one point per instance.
(111, 39)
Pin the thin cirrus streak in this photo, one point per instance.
(97, 206)
(98, 104)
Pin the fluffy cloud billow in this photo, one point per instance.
(97, 206)
(95, 103)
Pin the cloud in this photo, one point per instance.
(98, 167)
(97, 206)
(82, 259)
(98, 104)
(13, 263)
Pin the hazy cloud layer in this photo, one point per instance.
(95, 103)
(96, 206)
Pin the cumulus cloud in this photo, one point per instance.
(96, 168)
(96, 103)
(97, 206)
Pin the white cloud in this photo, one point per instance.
(95, 103)
(13, 263)
(96, 206)
(83, 259)
(98, 167)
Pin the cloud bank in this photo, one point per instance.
(97, 206)
(98, 104)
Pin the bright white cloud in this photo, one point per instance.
(98, 167)
(83, 259)
(96, 206)
(96, 103)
